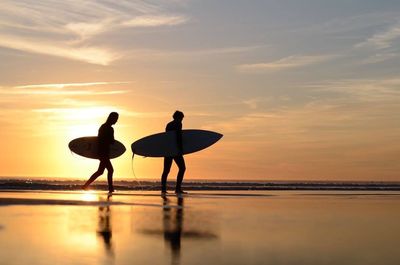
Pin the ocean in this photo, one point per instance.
(11, 183)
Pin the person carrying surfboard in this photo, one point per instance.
(175, 125)
(105, 138)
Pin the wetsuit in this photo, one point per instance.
(179, 160)
(105, 138)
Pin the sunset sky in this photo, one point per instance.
(301, 89)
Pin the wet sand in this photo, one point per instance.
(269, 227)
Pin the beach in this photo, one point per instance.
(203, 227)
(280, 119)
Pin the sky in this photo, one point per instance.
(300, 89)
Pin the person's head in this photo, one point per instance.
(178, 115)
(112, 118)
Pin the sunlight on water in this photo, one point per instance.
(89, 196)
(87, 241)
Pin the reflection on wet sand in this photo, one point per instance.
(287, 228)
(104, 226)
(173, 229)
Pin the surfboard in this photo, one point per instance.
(165, 144)
(87, 147)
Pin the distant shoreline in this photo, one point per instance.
(238, 185)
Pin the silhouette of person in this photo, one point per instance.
(175, 125)
(105, 138)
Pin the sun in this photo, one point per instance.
(85, 121)
(81, 130)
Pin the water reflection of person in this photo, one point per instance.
(105, 139)
(173, 225)
(104, 226)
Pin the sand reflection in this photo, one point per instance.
(104, 230)
(173, 224)
(89, 196)
(176, 229)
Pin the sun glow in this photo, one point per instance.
(81, 130)
(89, 196)
(62, 125)
(81, 122)
(88, 113)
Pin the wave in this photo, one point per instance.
(47, 184)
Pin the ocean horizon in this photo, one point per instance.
(46, 183)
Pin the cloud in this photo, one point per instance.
(380, 57)
(255, 103)
(67, 29)
(383, 44)
(349, 27)
(382, 40)
(216, 51)
(70, 93)
(94, 55)
(91, 112)
(372, 36)
(289, 62)
(70, 85)
(157, 54)
(361, 90)
(86, 30)
(59, 89)
(333, 111)
(155, 21)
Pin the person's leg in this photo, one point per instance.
(95, 175)
(110, 171)
(164, 176)
(180, 162)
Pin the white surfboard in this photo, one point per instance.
(87, 147)
(165, 144)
